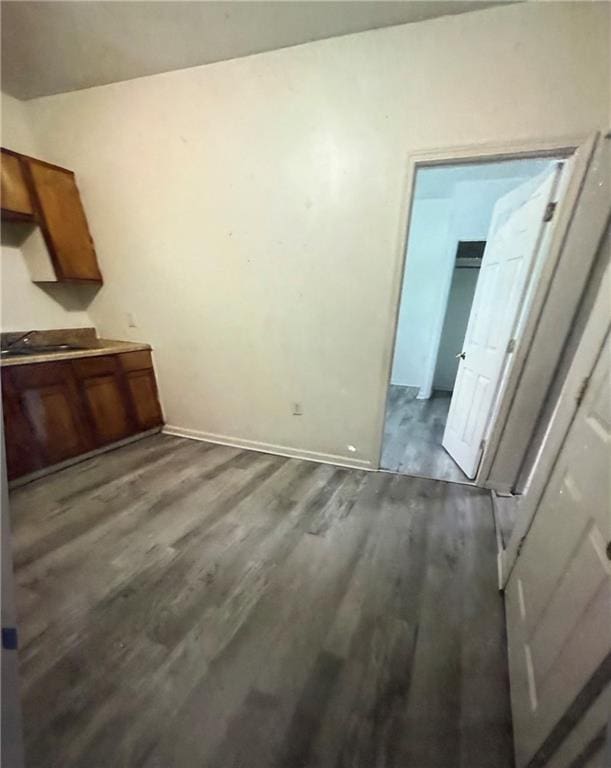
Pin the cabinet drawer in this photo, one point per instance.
(136, 361)
(95, 366)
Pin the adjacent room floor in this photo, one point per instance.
(184, 604)
(413, 431)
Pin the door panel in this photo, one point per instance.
(558, 598)
(585, 745)
(508, 261)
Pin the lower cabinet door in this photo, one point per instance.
(142, 386)
(143, 390)
(48, 401)
(22, 451)
(105, 398)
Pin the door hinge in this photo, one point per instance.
(582, 390)
(550, 209)
(520, 545)
(511, 346)
(482, 445)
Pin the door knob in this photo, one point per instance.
(461, 356)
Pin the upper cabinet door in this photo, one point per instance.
(15, 196)
(63, 222)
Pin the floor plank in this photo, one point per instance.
(183, 604)
(413, 430)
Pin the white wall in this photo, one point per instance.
(23, 304)
(427, 253)
(17, 131)
(251, 213)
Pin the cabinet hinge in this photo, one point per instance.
(511, 346)
(550, 209)
(582, 390)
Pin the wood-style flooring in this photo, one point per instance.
(413, 431)
(184, 604)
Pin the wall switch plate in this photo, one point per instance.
(131, 320)
(297, 409)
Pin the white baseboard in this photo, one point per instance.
(278, 450)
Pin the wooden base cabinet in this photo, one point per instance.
(58, 410)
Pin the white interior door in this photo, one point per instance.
(558, 597)
(511, 249)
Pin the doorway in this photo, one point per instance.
(476, 243)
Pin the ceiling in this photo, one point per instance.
(52, 47)
(438, 182)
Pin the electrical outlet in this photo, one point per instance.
(131, 320)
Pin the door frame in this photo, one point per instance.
(574, 240)
(562, 147)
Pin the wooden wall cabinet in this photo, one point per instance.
(14, 192)
(58, 410)
(47, 195)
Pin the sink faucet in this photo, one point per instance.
(23, 339)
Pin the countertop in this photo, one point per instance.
(101, 347)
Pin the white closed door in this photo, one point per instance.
(512, 247)
(558, 597)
